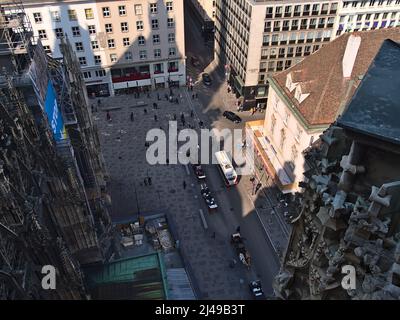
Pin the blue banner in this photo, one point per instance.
(54, 115)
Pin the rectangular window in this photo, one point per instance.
(72, 15)
(92, 29)
(153, 8)
(141, 41)
(37, 16)
(154, 24)
(55, 16)
(106, 12)
(82, 61)
(75, 31)
(139, 25)
(169, 6)
(122, 10)
(113, 57)
(138, 9)
(97, 59)
(171, 52)
(95, 44)
(125, 42)
(171, 37)
(124, 26)
(47, 49)
(156, 38)
(100, 73)
(142, 54)
(111, 43)
(79, 46)
(128, 55)
(59, 32)
(42, 34)
(108, 27)
(170, 23)
(87, 74)
(157, 53)
(89, 13)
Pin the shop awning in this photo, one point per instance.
(174, 78)
(159, 80)
(120, 85)
(144, 82)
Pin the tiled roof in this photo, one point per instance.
(322, 75)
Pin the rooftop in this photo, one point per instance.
(321, 75)
(375, 107)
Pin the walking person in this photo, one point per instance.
(145, 111)
(191, 113)
(145, 181)
(108, 116)
(158, 97)
(184, 184)
(154, 105)
(149, 180)
(196, 96)
(98, 102)
(174, 117)
(132, 117)
(155, 118)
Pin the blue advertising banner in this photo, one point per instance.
(54, 114)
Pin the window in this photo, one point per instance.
(59, 32)
(170, 23)
(37, 16)
(154, 24)
(79, 46)
(138, 9)
(156, 38)
(124, 26)
(141, 41)
(157, 53)
(95, 44)
(82, 61)
(171, 52)
(72, 15)
(283, 138)
(89, 13)
(42, 34)
(139, 25)
(92, 29)
(128, 55)
(380, 2)
(106, 12)
(113, 57)
(169, 6)
(125, 42)
(153, 8)
(47, 49)
(171, 37)
(372, 3)
(111, 43)
(288, 63)
(122, 10)
(363, 3)
(158, 68)
(87, 74)
(76, 32)
(354, 4)
(142, 54)
(108, 27)
(97, 59)
(55, 16)
(100, 73)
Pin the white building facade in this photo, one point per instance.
(121, 45)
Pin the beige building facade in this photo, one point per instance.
(121, 45)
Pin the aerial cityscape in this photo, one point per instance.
(199, 150)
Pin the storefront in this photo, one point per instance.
(97, 90)
(174, 80)
(159, 82)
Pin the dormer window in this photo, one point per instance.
(289, 83)
(300, 96)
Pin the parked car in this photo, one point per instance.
(206, 79)
(198, 171)
(195, 61)
(256, 290)
(232, 116)
(208, 198)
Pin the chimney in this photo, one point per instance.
(350, 54)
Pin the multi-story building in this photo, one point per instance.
(205, 10)
(121, 45)
(305, 99)
(255, 38)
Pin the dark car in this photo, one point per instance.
(256, 290)
(198, 171)
(194, 61)
(232, 116)
(206, 79)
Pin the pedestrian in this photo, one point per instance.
(98, 102)
(166, 96)
(145, 111)
(149, 180)
(176, 100)
(158, 96)
(108, 116)
(145, 181)
(170, 92)
(213, 235)
(155, 117)
(196, 96)
(154, 105)
(201, 124)
(191, 113)
(92, 108)
(184, 184)
(193, 96)
(174, 117)
(238, 229)
(132, 116)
